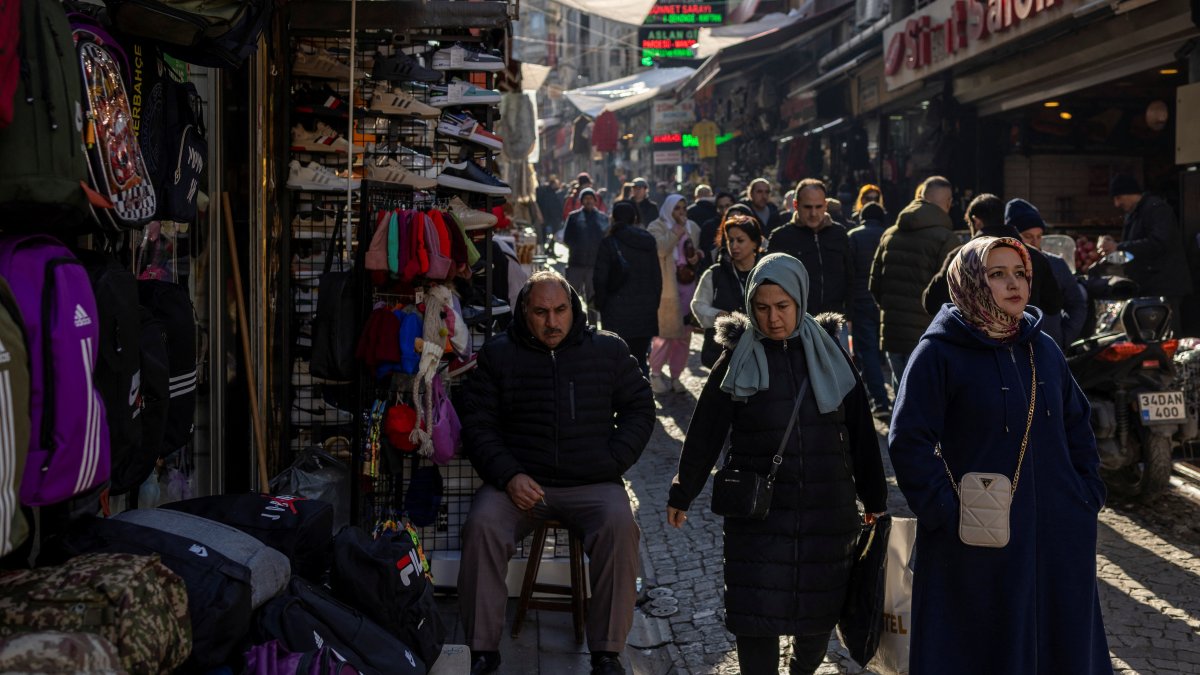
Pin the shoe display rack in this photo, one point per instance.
(417, 124)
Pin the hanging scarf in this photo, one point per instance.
(969, 290)
(829, 373)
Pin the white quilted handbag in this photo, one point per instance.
(985, 499)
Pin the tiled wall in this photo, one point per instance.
(1071, 191)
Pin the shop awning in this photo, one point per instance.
(627, 91)
(622, 11)
(736, 59)
(713, 40)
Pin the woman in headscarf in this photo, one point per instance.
(986, 391)
(786, 574)
(722, 288)
(678, 256)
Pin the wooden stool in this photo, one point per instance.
(576, 592)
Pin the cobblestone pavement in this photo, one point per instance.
(1148, 564)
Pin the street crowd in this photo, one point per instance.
(802, 309)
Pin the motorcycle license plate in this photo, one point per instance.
(1162, 406)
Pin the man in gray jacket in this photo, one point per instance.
(584, 231)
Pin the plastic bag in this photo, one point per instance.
(891, 658)
(317, 475)
(861, 622)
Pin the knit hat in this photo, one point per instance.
(583, 177)
(1022, 215)
(1123, 184)
(398, 425)
(410, 330)
(437, 299)
(872, 211)
(586, 192)
(625, 213)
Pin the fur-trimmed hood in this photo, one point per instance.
(729, 329)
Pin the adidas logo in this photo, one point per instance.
(81, 317)
(318, 640)
(5, 357)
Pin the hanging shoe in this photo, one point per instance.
(469, 218)
(400, 103)
(469, 176)
(403, 68)
(459, 57)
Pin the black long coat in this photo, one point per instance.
(630, 310)
(787, 574)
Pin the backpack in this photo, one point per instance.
(53, 651)
(10, 65)
(218, 589)
(170, 304)
(118, 172)
(14, 420)
(385, 578)
(118, 368)
(185, 151)
(133, 601)
(307, 618)
(44, 164)
(219, 34)
(269, 569)
(299, 528)
(69, 443)
(155, 392)
(272, 658)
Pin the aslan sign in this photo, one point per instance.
(921, 42)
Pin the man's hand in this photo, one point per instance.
(675, 517)
(524, 491)
(1106, 244)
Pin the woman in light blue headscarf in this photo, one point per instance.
(786, 574)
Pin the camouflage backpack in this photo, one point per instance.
(55, 652)
(133, 601)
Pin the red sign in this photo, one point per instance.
(667, 138)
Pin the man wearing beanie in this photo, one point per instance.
(1152, 235)
(985, 218)
(1069, 322)
(584, 231)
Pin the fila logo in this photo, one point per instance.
(408, 567)
(199, 550)
(81, 317)
(5, 357)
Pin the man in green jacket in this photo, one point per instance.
(909, 254)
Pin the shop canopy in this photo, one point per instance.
(627, 91)
(713, 40)
(622, 11)
(738, 58)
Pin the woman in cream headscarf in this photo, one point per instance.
(786, 574)
(678, 246)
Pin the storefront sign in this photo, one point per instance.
(668, 157)
(948, 32)
(799, 110)
(675, 13)
(666, 42)
(668, 116)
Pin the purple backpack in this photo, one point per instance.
(272, 658)
(68, 443)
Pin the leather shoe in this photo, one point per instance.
(485, 662)
(607, 665)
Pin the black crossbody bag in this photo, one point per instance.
(742, 493)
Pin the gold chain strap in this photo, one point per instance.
(937, 449)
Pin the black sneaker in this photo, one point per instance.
(484, 662)
(607, 664)
(403, 68)
(467, 175)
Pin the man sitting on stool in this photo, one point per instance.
(555, 413)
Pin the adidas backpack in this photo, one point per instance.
(170, 304)
(14, 420)
(69, 444)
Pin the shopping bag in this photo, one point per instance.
(861, 622)
(317, 475)
(891, 657)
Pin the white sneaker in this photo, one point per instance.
(459, 57)
(678, 386)
(317, 177)
(320, 65)
(308, 267)
(306, 300)
(659, 384)
(323, 139)
(309, 228)
(400, 103)
(390, 171)
(469, 218)
(460, 92)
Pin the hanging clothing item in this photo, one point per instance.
(706, 132)
(605, 132)
(581, 136)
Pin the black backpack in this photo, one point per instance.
(186, 151)
(118, 368)
(218, 588)
(155, 400)
(335, 333)
(384, 578)
(170, 304)
(307, 617)
(301, 529)
(218, 34)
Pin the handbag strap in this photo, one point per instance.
(1024, 439)
(778, 458)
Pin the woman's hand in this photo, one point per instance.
(675, 517)
(870, 518)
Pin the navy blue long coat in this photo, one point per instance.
(1031, 607)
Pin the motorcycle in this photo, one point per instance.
(1126, 369)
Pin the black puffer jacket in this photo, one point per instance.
(578, 415)
(1159, 263)
(825, 253)
(787, 574)
(909, 254)
(630, 311)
